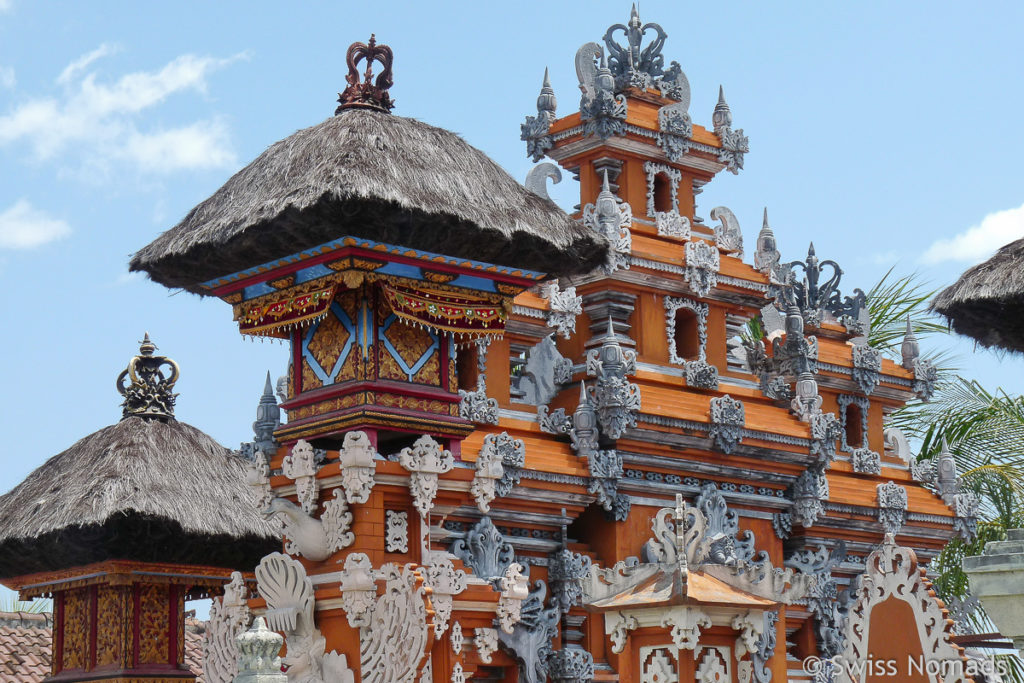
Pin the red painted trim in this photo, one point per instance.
(280, 271)
(296, 362)
(57, 665)
(136, 623)
(172, 615)
(345, 388)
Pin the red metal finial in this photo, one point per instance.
(368, 94)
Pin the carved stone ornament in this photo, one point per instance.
(534, 132)
(514, 589)
(530, 639)
(675, 129)
(727, 420)
(149, 393)
(358, 590)
(897, 444)
(686, 624)
(817, 298)
(257, 475)
(844, 401)
(809, 491)
(485, 640)
(512, 453)
(394, 641)
(476, 407)
(445, 582)
(257, 660)
(553, 421)
(867, 367)
(766, 257)
(543, 374)
(538, 176)
(566, 570)
(728, 236)
(396, 531)
(300, 466)
(457, 639)
(825, 429)
(828, 605)
(602, 110)
(892, 573)
(489, 471)
(617, 627)
(673, 175)
(307, 536)
(616, 400)
(926, 375)
(425, 461)
(564, 306)
(965, 506)
(229, 618)
(337, 522)
(866, 461)
(892, 506)
(714, 665)
(605, 473)
(612, 218)
(702, 265)
(571, 665)
(458, 673)
(484, 550)
(283, 583)
(671, 224)
(700, 309)
(356, 460)
(764, 648)
(782, 524)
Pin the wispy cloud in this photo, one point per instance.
(23, 226)
(7, 79)
(5, 5)
(979, 241)
(102, 122)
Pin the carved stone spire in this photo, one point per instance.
(149, 393)
(910, 349)
(722, 116)
(547, 103)
(268, 418)
(767, 255)
(369, 93)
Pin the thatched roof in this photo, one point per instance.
(141, 489)
(378, 176)
(987, 302)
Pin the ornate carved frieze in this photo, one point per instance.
(866, 461)
(892, 506)
(825, 430)
(685, 624)
(671, 224)
(425, 461)
(925, 377)
(396, 531)
(727, 420)
(257, 660)
(445, 582)
(824, 599)
(229, 618)
(612, 218)
(571, 665)
(553, 421)
(300, 466)
(700, 309)
(356, 460)
(809, 491)
(515, 589)
(484, 550)
(867, 367)
(337, 523)
(602, 110)
(782, 524)
(485, 640)
(566, 571)
(675, 129)
(702, 265)
(394, 640)
(673, 175)
(714, 665)
(474, 405)
(529, 640)
(735, 144)
(616, 400)
(658, 665)
(728, 236)
(863, 405)
(534, 132)
(764, 648)
(564, 306)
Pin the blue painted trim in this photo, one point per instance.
(346, 322)
(311, 273)
(409, 371)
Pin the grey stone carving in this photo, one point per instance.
(727, 419)
(671, 224)
(721, 118)
(701, 375)
(566, 570)
(605, 473)
(816, 299)
(809, 490)
(892, 506)
(571, 665)
(672, 306)
(766, 257)
(845, 401)
(564, 307)
(702, 265)
(474, 405)
(616, 400)
(728, 236)
(910, 349)
(674, 175)
(268, 419)
(484, 550)
(257, 655)
(553, 421)
(512, 453)
(675, 129)
(612, 218)
(897, 444)
(545, 370)
(782, 523)
(584, 435)
(602, 110)
(396, 536)
(357, 467)
(764, 648)
(633, 67)
(825, 430)
(536, 179)
(965, 507)
(530, 639)
(824, 600)
(534, 132)
(734, 143)
(867, 367)
(925, 377)
(425, 461)
(866, 461)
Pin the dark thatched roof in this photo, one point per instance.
(377, 176)
(141, 489)
(987, 302)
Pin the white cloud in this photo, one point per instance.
(101, 121)
(7, 79)
(23, 227)
(5, 5)
(979, 241)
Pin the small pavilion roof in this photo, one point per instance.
(664, 587)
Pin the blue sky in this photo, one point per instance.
(887, 133)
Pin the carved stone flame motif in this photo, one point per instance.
(150, 393)
(368, 93)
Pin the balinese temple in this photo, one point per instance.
(522, 445)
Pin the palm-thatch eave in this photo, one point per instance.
(987, 302)
(376, 176)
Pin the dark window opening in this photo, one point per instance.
(687, 337)
(390, 443)
(466, 367)
(854, 426)
(662, 193)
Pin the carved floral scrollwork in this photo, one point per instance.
(300, 466)
(445, 582)
(356, 460)
(425, 460)
(229, 618)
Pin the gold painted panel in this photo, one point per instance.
(154, 639)
(76, 629)
(114, 616)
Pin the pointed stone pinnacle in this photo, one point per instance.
(721, 98)
(583, 393)
(604, 183)
(810, 250)
(910, 330)
(268, 388)
(547, 81)
(610, 334)
(764, 223)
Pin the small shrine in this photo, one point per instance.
(123, 527)
(523, 445)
